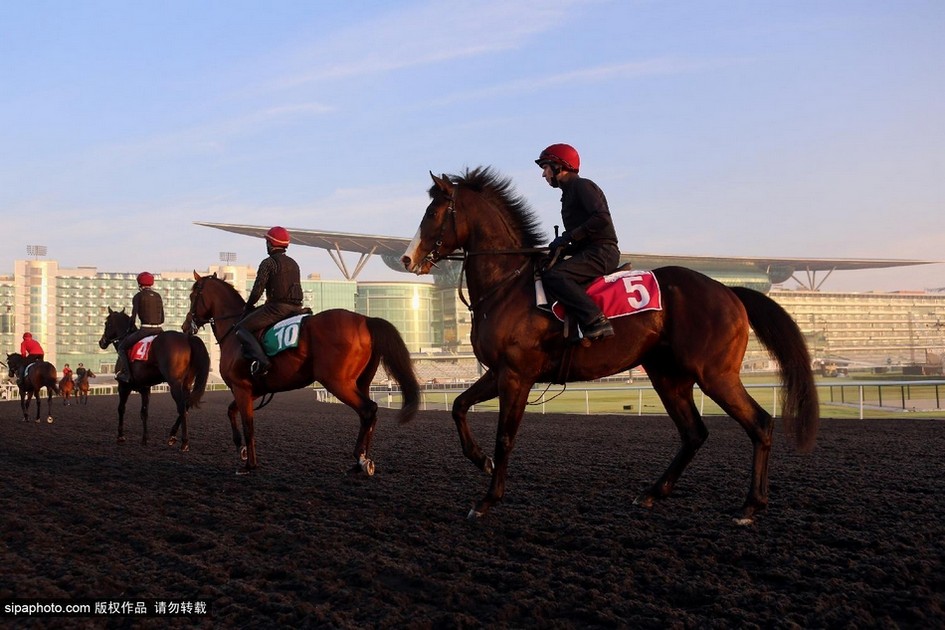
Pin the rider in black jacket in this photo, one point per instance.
(279, 276)
(148, 307)
(589, 239)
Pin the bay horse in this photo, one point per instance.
(41, 374)
(338, 348)
(180, 360)
(700, 336)
(66, 387)
(82, 387)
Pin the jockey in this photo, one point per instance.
(67, 372)
(80, 372)
(279, 276)
(589, 239)
(148, 307)
(31, 351)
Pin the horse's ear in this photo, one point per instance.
(214, 274)
(110, 311)
(196, 275)
(443, 183)
(122, 311)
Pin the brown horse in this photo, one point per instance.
(40, 374)
(177, 359)
(82, 387)
(66, 388)
(700, 336)
(338, 348)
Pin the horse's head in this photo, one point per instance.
(211, 298)
(14, 362)
(117, 324)
(477, 211)
(438, 235)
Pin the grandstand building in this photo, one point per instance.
(65, 308)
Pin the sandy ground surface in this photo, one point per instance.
(854, 535)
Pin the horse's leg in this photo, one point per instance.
(348, 393)
(145, 401)
(231, 413)
(49, 397)
(123, 392)
(39, 404)
(486, 388)
(675, 391)
(179, 394)
(511, 408)
(243, 398)
(728, 391)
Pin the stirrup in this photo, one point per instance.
(257, 368)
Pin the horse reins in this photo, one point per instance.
(434, 256)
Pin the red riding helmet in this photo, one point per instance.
(278, 236)
(27, 335)
(145, 279)
(564, 155)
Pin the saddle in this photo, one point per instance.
(283, 335)
(142, 349)
(621, 293)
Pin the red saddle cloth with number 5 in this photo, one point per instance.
(622, 293)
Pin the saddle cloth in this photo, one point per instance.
(142, 349)
(618, 294)
(283, 335)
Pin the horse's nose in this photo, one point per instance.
(405, 260)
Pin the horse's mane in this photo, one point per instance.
(489, 183)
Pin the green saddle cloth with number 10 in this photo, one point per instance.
(283, 335)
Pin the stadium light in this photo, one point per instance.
(36, 250)
(228, 257)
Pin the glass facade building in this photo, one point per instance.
(65, 309)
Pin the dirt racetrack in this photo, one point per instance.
(854, 535)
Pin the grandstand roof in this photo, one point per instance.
(391, 248)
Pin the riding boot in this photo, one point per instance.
(122, 373)
(252, 348)
(598, 328)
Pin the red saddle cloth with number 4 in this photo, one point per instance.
(141, 350)
(622, 293)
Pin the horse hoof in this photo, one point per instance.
(243, 454)
(367, 466)
(185, 448)
(121, 439)
(488, 466)
(644, 501)
(241, 472)
(474, 515)
(49, 420)
(171, 441)
(744, 521)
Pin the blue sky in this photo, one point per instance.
(742, 128)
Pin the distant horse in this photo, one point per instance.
(177, 359)
(82, 385)
(66, 387)
(40, 374)
(338, 348)
(700, 337)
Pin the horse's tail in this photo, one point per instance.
(778, 332)
(390, 347)
(200, 362)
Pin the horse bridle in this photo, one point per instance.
(197, 323)
(434, 256)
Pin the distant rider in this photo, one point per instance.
(32, 352)
(279, 276)
(148, 307)
(589, 239)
